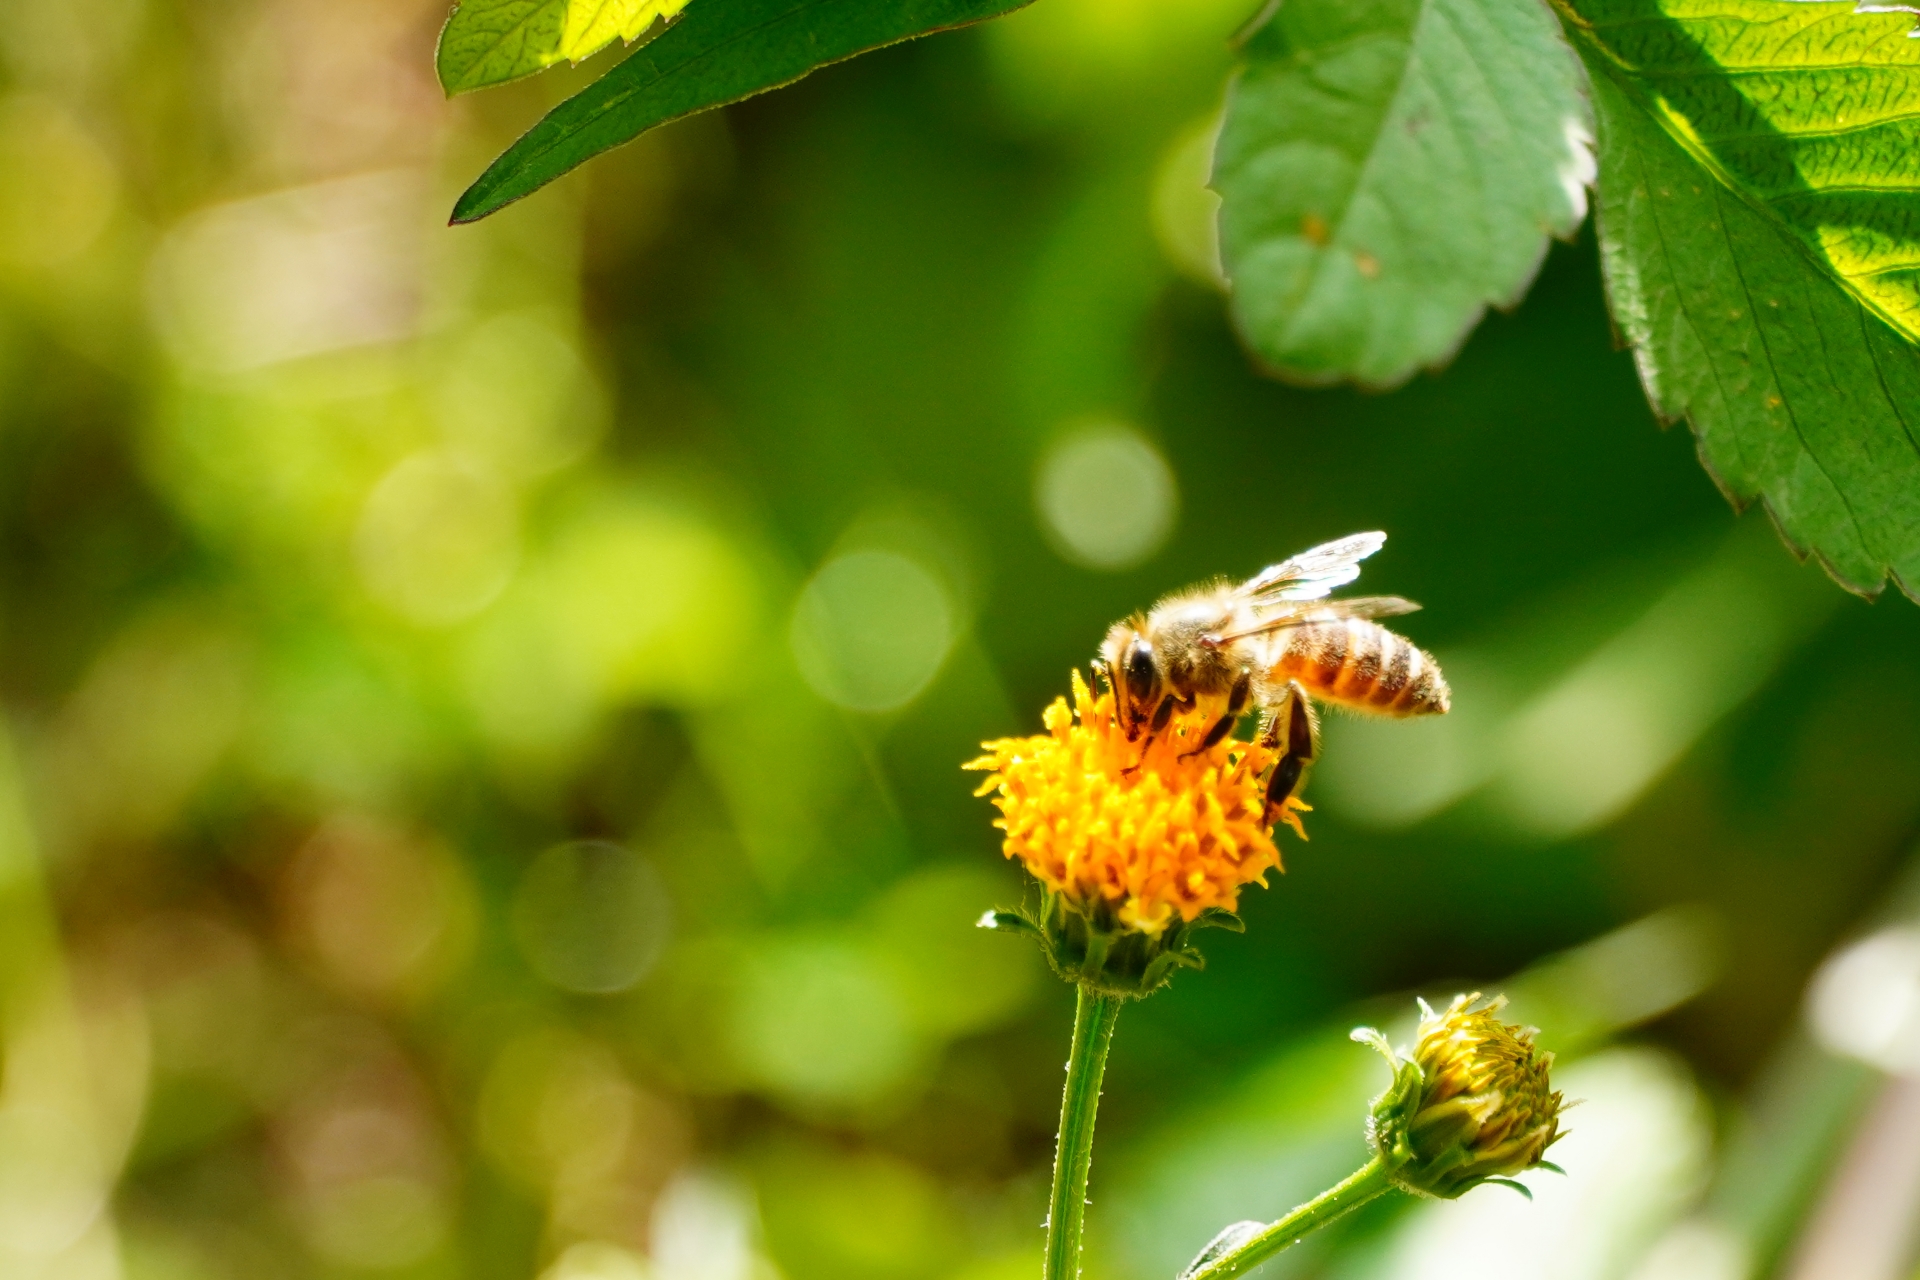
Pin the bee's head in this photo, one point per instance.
(1133, 668)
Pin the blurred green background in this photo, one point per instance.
(483, 707)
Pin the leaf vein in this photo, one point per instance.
(1795, 133)
(1694, 413)
(1880, 375)
(1786, 401)
(1367, 166)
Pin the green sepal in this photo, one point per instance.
(1440, 1126)
(1009, 922)
(1089, 947)
(1160, 968)
(1220, 918)
(1509, 1182)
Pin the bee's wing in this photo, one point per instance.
(1296, 613)
(1312, 574)
(1360, 607)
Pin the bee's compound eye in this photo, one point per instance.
(1142, 677)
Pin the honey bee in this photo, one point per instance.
(1273, 642)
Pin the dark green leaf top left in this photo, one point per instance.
(489, 42)
(720, 51)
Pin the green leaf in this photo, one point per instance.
(1798, 394)
(489, 42)
(720, 52)
(1811, 111)
(1230, 1238)
(1387, 170)
(592, 25)
(1011, 922)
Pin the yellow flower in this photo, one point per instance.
(1134, 835)
(1473, 1103)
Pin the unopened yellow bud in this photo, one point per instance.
(1471, 1104)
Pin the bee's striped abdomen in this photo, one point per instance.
(1361, 664)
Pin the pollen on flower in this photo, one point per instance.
(1150, 831)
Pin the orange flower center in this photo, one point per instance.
(1151, 829)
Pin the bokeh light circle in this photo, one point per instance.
(1107, 497)
(598, 1260)
(871, 630)
(819, 1020)
(439, 537)
(1864, 1003)
(591, 916)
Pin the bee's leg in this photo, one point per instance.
(1237, 699)
(1294, 725)
(1270, 729)
(1162, 717)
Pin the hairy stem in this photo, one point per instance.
(1093, 1021)
(1371, 1180)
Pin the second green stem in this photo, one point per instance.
(1372, 1179)
(1093, 1020)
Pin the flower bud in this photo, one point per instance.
(1471, 1104)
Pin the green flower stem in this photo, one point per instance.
(1093, 1020)
(1373, 1179)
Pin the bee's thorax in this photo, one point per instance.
(1185, 635)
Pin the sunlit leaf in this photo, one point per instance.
(720, 52)
(1810, 110)
(489, 42)
(1799, 395)
(1388, 169)
(592, 25)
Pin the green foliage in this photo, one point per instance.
(1807, 110)
(1800, 395)
(720, 53)
(489, 42)
(1388, 169)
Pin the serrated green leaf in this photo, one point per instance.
(721, 51)
(1797, 393)
(1387, 170)
(1810, 110)
(592, 25)
(489, 42)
